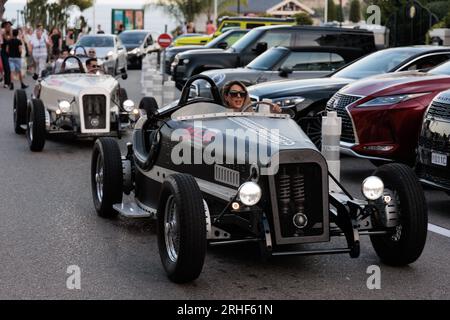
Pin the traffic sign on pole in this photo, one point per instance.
(164, 40)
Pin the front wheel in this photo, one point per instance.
(36, 125)
(20, 111)
(181, 228)
(106, 176)
(405, 242)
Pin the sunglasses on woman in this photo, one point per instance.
(235, 94)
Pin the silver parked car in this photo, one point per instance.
(109, 50)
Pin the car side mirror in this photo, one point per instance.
(124, 74)
(35, 77)
(261, 47)
(285, 71)
(222, 45)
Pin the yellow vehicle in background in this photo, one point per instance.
(225, 23)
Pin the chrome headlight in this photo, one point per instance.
(128, 105)
(390, 100)
(288, 101)
(249, 193)
(185, 61)
(135, 51)
(373, 188)
(64, 106)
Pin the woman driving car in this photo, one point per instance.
(236, 97)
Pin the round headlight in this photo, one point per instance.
(128, 105)
(373, 188)
(64, 106)
(185, 61)
(249, 193)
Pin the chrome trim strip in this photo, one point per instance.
(233, 115)
(159, 173)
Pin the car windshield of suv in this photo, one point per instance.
(376, 63)
(229, 37)
(132, 37)
(443, 69)
(97, 42)
(245, 41)
(268, 59)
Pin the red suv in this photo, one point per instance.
(382, 115)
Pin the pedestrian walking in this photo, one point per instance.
(39, 51)
(55, 43)
(210, 27)
(69, 40)
(6, 35)
(99, 30)
(14, 48)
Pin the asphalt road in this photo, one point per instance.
(48, 223)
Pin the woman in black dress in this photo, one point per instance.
(56, 43)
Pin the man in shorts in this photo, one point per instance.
(14, 49)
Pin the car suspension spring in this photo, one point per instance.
(284, 192)
(298, 190)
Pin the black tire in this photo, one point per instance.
(149, 105)
(410, 242)
(20, 110)
(36, 125)
(107, 180)
(312, 127)
(183, 259)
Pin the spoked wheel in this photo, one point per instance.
(20, 111)
(405, 242)
(312, 127)
(181, 228)
(36, 125)
(106, 176)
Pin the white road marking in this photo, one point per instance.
(439, 230)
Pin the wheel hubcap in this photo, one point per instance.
(99, 177)
(171, 229)
(30, 127)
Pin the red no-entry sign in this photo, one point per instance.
(165, 40)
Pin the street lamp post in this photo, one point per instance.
(326, 12)
(215, 11)
(239, 7)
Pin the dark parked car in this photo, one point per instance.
(281, 63)
(277, 198)
(307, 98)
(382, 115)
(433, 167)
(224, 41)
(258, 40)
(138, 43)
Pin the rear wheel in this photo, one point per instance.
(20, 111)
(36, 125)
(181, 228)
(106, 176)
(405, 242)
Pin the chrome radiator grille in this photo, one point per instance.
(94, 109)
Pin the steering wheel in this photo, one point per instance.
(273, 106)
(80, 65)
(187, 87)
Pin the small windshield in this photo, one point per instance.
(443, 69)
(132, 37)
(96, 42)
(376, 63)
(268, 59)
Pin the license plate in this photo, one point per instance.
(439, 159)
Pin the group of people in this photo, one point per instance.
(189, 27)
(27, 49)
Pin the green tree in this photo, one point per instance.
(355, 11)
(187, 10)
(303, 19)
(51, 14)
(332, 11)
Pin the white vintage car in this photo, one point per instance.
(75, 103)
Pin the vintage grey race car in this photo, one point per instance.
(195, 168)
(75, 103)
